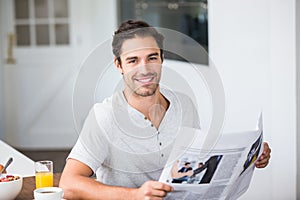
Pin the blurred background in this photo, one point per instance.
(253, 44)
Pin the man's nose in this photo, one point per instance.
(143, 68)
(143, 65)
(143, 61)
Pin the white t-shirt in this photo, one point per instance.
(122, 147)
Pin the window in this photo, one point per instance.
(41, 22)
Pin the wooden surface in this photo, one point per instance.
(29, 185)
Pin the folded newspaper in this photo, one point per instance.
(222, 172)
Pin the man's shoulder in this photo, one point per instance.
(103, 110)
(105, 104)
(174, 96)
(109, 106)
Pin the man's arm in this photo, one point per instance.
(181, 170)
(77, 184)
(199, 170)
(176, 174)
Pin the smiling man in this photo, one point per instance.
(126, 139)
(141, 62)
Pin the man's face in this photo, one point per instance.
(141, 65)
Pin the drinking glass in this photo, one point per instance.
(44, 173)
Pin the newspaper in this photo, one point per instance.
(223, 172)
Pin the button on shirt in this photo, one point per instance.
(122, 147)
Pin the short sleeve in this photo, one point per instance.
(91, 147)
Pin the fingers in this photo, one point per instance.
(267, 149)
(162, 186)
(262, 163)
(158, 193)
(263, 160)
(153, 198)
(154, 190)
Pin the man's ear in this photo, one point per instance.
(118, 65)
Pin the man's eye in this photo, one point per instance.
(131, 61)
(153, 58)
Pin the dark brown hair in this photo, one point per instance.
(130, 29)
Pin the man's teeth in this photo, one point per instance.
(145, 80)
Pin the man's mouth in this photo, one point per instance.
(145, 80)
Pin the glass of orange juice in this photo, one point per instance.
(44, 173)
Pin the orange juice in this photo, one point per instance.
(43, 179)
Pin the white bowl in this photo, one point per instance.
(10, 190)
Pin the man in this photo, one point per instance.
(186, 167)
(126, 140)
(183, 173)
(199, 169)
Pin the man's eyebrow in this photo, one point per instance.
(153, 54)
(135, 57)
(130, 58)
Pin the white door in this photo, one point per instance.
(38, 87)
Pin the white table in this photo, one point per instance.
(21, 164)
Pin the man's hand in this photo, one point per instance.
(152, 190)
(263, 160)
(189, 173)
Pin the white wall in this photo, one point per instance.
(298, 91)
(1, 97)
(1, 82)
(103, 20)
(93, 21)
(252, 45)
(283, 98)
(99, 24)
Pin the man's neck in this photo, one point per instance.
(153, 107)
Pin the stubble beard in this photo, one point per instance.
(143, 90)
(148, 92)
